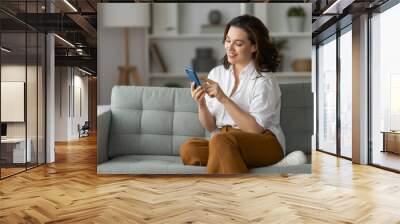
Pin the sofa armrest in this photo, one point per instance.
(103, 126)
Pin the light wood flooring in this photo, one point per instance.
(10, 171)
(70, 191)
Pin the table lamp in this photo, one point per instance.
(125, 16)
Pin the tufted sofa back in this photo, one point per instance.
(297, 116)
(157, 120)
(151, 120)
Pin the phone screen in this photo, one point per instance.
(192, 76)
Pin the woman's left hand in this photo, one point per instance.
(213, 90)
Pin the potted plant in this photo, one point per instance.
(296, 18)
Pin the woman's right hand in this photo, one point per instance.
(198, 94)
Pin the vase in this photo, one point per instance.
(296, 23)
(214, 17)
(204, 61)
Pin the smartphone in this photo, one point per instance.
(192, 75)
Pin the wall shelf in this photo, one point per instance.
(201, 36)
(177, 33)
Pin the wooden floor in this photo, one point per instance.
(70, 191)
(10, 171)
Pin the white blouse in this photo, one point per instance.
(258, 94)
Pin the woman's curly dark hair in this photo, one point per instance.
(266, 57)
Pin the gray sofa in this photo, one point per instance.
(142, 130)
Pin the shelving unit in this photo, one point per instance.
(201, 36)
(176, 32)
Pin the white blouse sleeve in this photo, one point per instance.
(266, 102)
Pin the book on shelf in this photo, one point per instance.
(156, 55)
(208, 28)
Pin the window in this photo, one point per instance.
(327, 96)
(385, 85)
(328, 128)
(346, 75)
(22, 77)
(394, 117)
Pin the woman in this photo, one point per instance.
(239, 103)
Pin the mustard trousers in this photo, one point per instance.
(232, 151)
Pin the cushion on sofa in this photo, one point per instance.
(155, 164)
(151, 120)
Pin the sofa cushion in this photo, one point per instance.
(151, 120)
(148, 164)
(295, 162)
(297, 116)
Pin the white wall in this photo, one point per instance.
(61, 103)
(17, 73)
(110, 55)
(68, 80)
(82, 83)
(33, 126)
